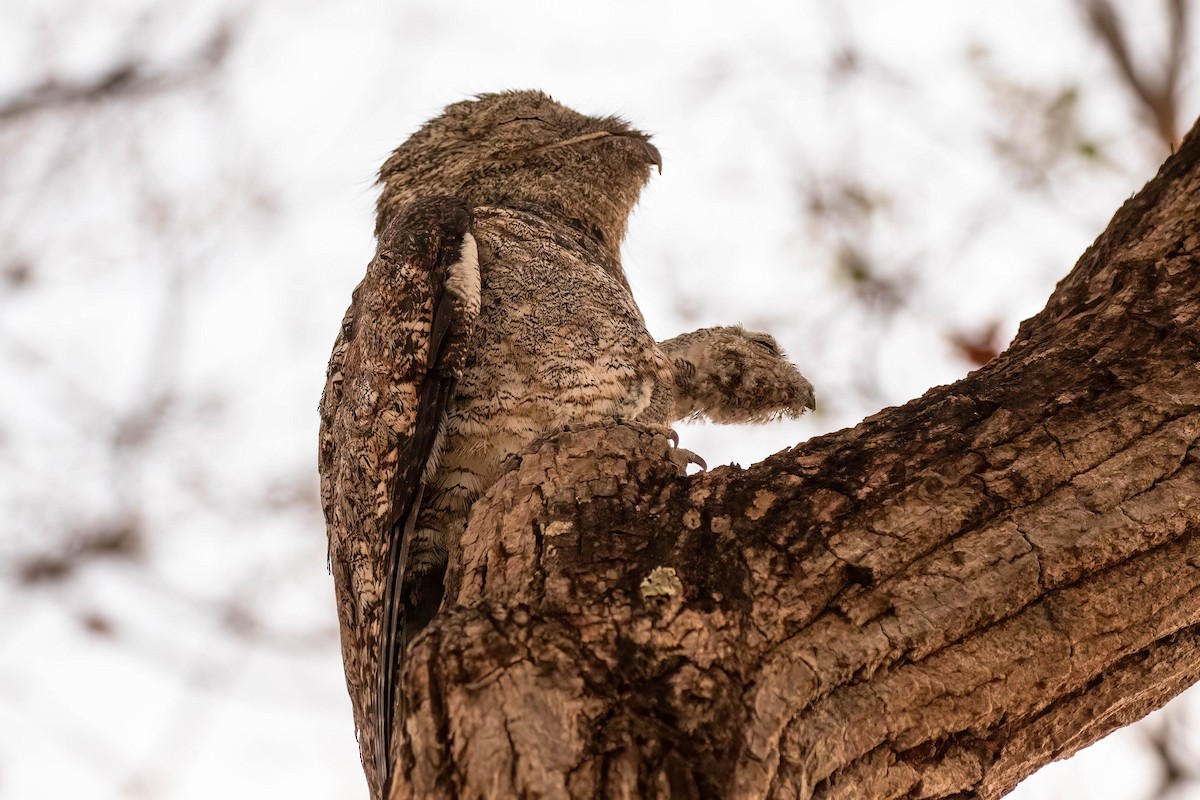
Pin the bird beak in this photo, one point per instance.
(653, 156)
(649, 151)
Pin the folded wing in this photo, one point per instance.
(391, 377)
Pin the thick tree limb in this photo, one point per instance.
(931, 604)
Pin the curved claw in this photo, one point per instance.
(684, 458)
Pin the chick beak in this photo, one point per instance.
(653, 156)
(810, 400)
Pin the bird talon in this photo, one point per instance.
(684, 458)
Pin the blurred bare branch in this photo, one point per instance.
(114, 539)
(127, 78)
(1157, 95)
(1166, 734)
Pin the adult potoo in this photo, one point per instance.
(494, 311)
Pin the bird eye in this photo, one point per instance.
(766, 343)
(524, 119)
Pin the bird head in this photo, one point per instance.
(523, 149)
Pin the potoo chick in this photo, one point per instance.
(494, 312)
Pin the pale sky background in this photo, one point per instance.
(203, 246)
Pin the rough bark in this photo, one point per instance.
(932, 604)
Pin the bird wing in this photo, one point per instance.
(394, 365)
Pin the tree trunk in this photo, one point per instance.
(934, 603)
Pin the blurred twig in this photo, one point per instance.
(1167, 739)
(1157, 95)
(118, 539)
(127, 77)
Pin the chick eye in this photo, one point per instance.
(524, 119)
(767, 344)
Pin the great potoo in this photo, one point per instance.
(494, 312)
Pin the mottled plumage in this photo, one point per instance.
(494, 312)
(731, 375)
(400, 349)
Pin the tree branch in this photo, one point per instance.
(935, 602)
(126, 78)
(1158, 97)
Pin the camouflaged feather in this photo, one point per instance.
(432, 391)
